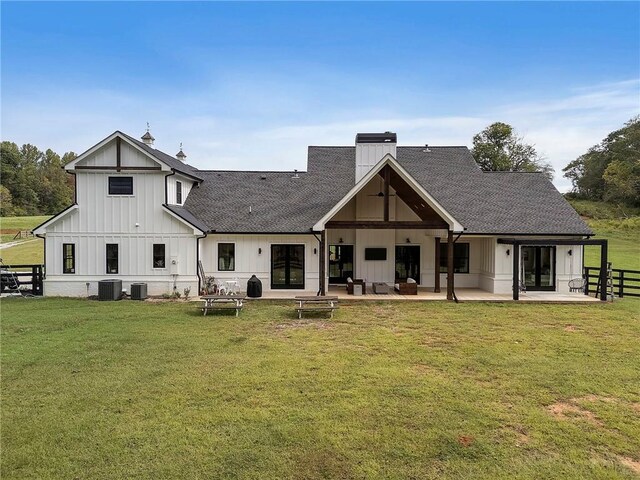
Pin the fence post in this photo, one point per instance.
(586, 276)
(621, 286)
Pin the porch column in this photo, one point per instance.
(450, 265)
(436, 278)
(603, 270)
(516, 271)
(323, 260)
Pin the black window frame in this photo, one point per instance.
(157, 257)
(232, 263)
(108, 258)
(457, 257)
(65, 256)
(178, 192)
(129, 187)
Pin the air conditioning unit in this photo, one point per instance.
(110, 289)
(138, 291)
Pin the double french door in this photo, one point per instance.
(287, 266)
(539, 268)
(407, 263)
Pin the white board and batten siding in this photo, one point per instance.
(133, 222)
(369, 154)
(253, 257)
(187, 184)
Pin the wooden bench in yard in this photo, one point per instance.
(316, 304)
(221, 302)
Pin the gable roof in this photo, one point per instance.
(389, 160)
(171, 162)
(483, 203)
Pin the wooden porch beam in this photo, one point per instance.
(116, 168)
(450, 284)
(603, 270)
(118, 159)
(323, 262)
(436, 279)
(383, 225)
(387, 181)
(516, 271)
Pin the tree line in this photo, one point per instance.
(33, 182)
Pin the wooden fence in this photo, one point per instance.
(626, 283)
(30, 275)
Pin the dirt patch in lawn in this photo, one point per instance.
(465, 440)
(571, 328)
(631, 464)
(304, 324)
(569, 411)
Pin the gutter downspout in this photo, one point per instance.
(166, 190)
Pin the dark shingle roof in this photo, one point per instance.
(172, 162)
(484, 203)
(188, 217)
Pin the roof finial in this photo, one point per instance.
(147, 138)
(180, 155)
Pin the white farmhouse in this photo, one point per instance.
(375, 211)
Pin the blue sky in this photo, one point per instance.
(251, 85)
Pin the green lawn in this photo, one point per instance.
(26, 253)
(29, 251)
(624, 248)
(14, 224)
(384, 390)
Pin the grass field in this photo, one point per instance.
(396, 390)
(32, 251)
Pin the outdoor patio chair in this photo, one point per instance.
(577, 284)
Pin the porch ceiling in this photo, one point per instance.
(413, 200)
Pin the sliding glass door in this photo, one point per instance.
(287, 266)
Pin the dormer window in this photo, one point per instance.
(179, 193)
(120, 185)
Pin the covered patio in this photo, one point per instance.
(427, 294)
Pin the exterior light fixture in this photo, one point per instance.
(408, 240)
(259, 251)
(508, 252)
(340, 241)
(570, 252)
(315, 250)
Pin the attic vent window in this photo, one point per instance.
(263, 177)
